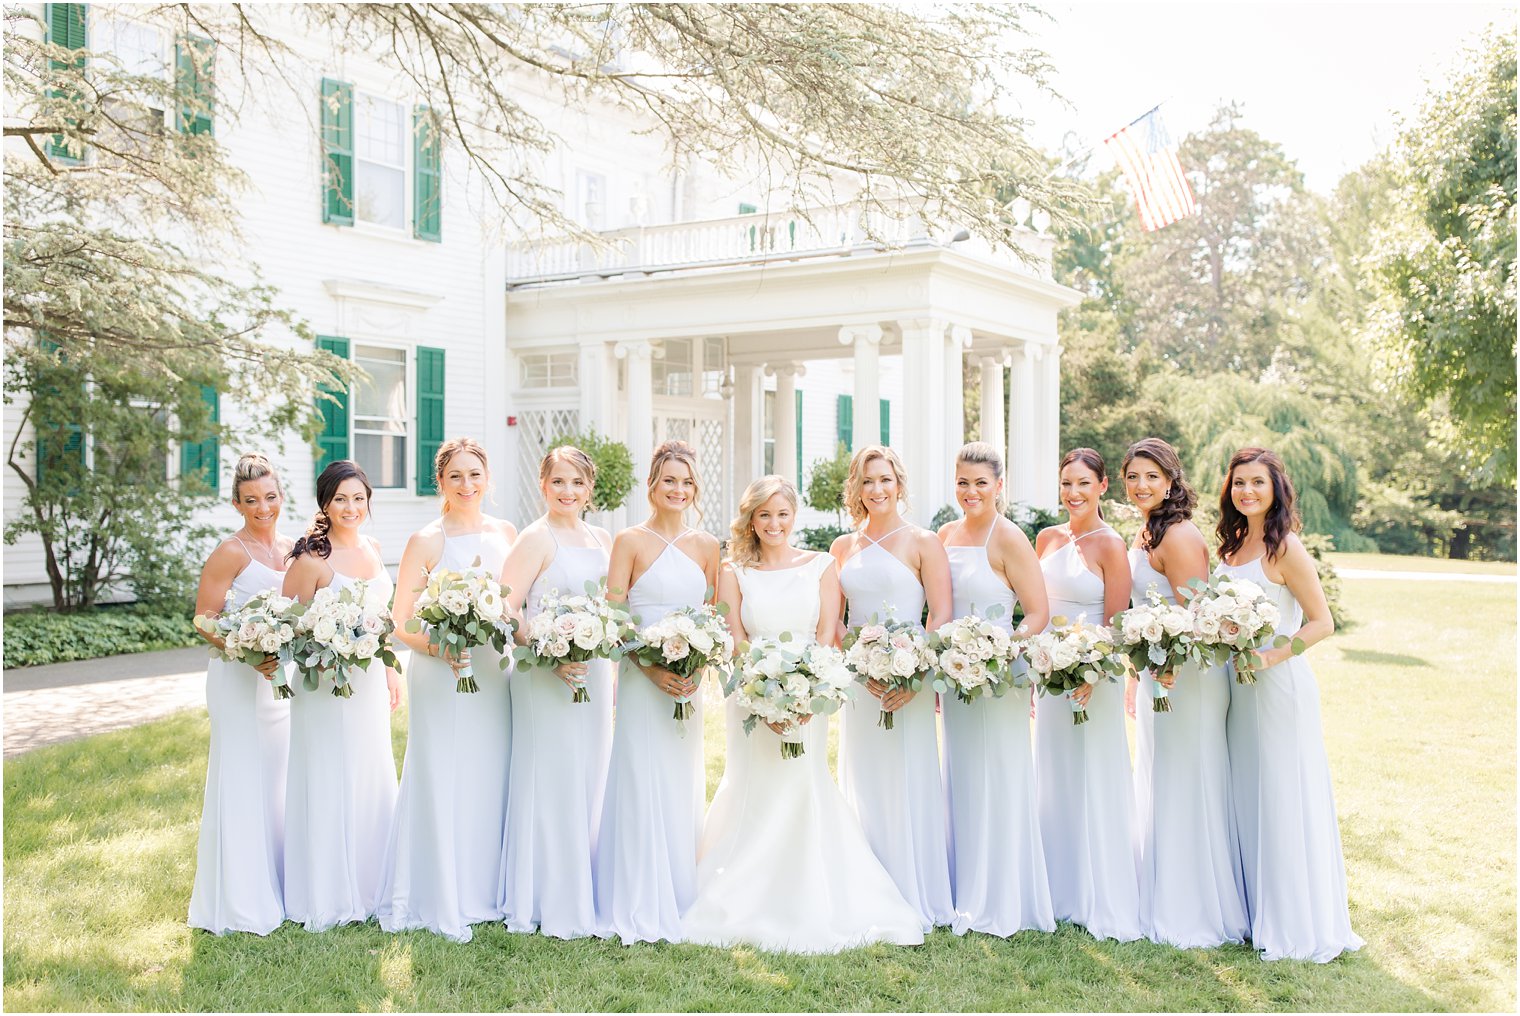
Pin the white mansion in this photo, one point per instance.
(761, 336)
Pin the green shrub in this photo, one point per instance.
(614, 467)
(822, 537)
(1319, 545)
(35, 637)
(826, 480)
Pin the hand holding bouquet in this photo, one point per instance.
(1158, 635)
(337, 632)
(1236, 618)
(895, 653)
(685, 642)
(254, 632)
(974, 656)
(1071, 655)
(778, 681)
(462, 610)
(574, 629)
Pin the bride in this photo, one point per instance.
(783, 863)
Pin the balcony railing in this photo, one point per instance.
(758, 238)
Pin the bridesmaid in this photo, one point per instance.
(889, 568)
(559, 747)
(997, 861)
(646, 862)
(444, 853)
(239, 864)
(342, 791)
(1290, 844)
(1189, 893)
(1082, 773)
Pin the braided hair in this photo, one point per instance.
(316, 541)
(1180, 499)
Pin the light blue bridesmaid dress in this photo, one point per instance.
(646, 860)
(1290, 843)
(892, 777)
(443, 858)
(1190, 893)
(240, 857)
(997, 862)
(560, 752)
(342, 792)
(1082, 779)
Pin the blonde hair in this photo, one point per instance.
(254, 466)
(980, 453)
(854, 500)
(579, 461)
(744, 545)
(674, 451)
(446, 453)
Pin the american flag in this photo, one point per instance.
(1146, 155)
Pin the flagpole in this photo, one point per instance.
(1094, 146)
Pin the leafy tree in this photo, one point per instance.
(614, 467)
(1444, 261)
(826, 480)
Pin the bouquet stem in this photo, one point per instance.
(885, 721)
(343, 690)
(581, 694)
(1245, 673)
(1159, 701)
(282, 691)
(1078, 713)
(791, 749)
(466, 684)
(683, 710)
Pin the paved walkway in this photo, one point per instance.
(1423, 576)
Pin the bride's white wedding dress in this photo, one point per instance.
(783, 864)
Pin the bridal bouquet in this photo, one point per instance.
(337, 633)
(779, 682)
(574, 629)
(1160, 636)
(1069, 655)
(684, 642)
(974, 656)
(895, 653)
(462, 610)
(258, 629)
(1236, 618)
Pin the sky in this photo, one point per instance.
(1324, 80)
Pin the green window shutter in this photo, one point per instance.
(427, 177)
(67, 26)
(799, 438)
(429, 415)
(886, 422)
(332, 442)
(846, 420)
(337, 152)
(194, 65)
(745, 208)
(198, 460)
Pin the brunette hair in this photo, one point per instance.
(316, 540)
(980, 453)
(571, 454)
(1089, 458)
(1180, 499)
(446, 453)
(1282, 518)
(744, 545)
(253, 466)
(674, 451)
(854, 500)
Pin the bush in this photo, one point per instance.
(1319, 545)
(822, 537)
(1026, 516)
(826, 480)
(614, 467)
(35, 637)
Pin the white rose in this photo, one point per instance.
(1040, 658)
(1175, 622)
(558, 648)
(325, 629)
(1153, 631)
(270, 642)
(904, 663)
(701, 642)
(676, 648)
(490, 605)
(588, 633)
(455, 601)
(367, 646)
(1063, 655)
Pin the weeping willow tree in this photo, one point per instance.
(1221, 413)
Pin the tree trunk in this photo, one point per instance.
(1461, 543)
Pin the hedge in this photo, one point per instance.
(35, 637)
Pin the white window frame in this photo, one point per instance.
(409, 366)
(102, 19)
(407, 168)
(549, 355)
(585, 176)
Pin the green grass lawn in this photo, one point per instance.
(1419, 708)
(1404, 562)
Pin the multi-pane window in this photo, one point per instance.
(591, 198)
(141, 50)
(380, 415)
(549, 370)
(380, 143)
(672, 372)
(714, 365)
(768, 433)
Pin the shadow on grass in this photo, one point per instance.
(1377, 658)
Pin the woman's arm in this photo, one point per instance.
(306, 575)
(525, 562)
(830, 602)
(1021, 566)
(620, 569)
(419, 557)
(730, 593)
(1184, 557)
(1302, 580)
(839, 550)
(1113, 562)
(217, 575)
(934, 573)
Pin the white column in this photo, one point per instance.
(1047, 493)
(992, 403)
(594, 384)
(747, 433)
(786, 416)
(866, 411)
(956, 344)
(640, 435)
(1023, 443)
(923, 452)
